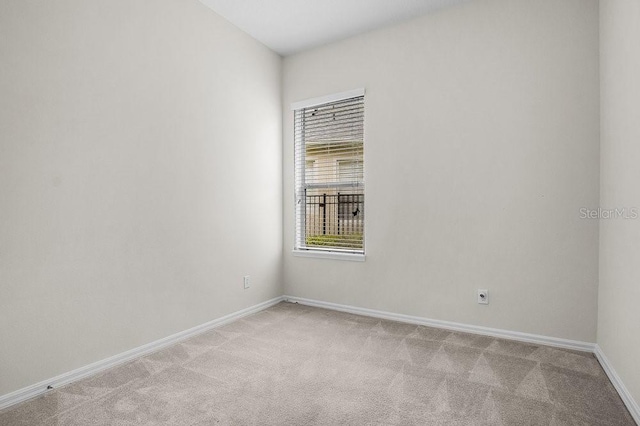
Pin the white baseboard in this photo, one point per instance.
(628, 400)
(91, 369)
(486, 331)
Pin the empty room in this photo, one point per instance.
(333, 212)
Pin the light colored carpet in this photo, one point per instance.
(296, 365)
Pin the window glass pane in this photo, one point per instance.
(329, 151)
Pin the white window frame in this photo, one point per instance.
(317, 252)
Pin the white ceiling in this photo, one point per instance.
(290, 26)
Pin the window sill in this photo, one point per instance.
(353, 257)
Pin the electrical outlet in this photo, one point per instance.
(246, 281)
(483, 297)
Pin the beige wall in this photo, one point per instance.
(140, 177)
(482, 145)
(618, 314)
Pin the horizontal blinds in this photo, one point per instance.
(329, 176)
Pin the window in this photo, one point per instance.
(329, 174)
